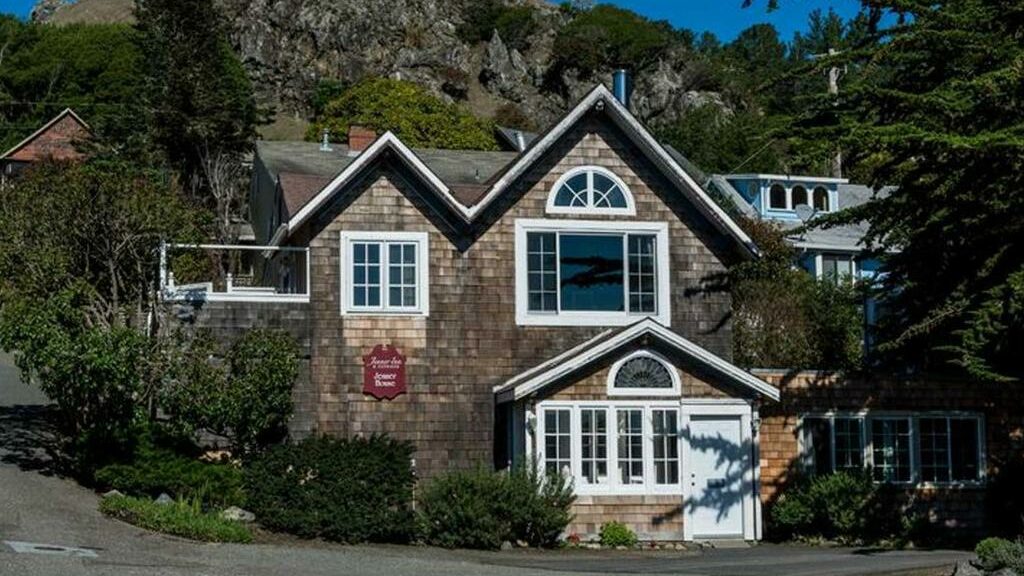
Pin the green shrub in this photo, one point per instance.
(347, 490)
(614, 534)
(513, 23)
(465, 509)
(246, 399)
(157, 469)
(836, 505)
(538, 507)
(181, 518)
(998, 553)
(481, 508)
(419, 118)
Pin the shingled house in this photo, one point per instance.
(560, 303)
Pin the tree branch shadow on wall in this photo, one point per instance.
(732, 461)
(29, 438)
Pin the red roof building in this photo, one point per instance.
(56, 140)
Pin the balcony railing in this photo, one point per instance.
(233, 273)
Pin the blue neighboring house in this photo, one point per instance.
(794, 200)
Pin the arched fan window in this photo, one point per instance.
(590, 190)
(643, 373)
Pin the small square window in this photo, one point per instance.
(384, 273)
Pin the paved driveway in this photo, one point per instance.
(39, 507)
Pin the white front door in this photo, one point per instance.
(717, 472)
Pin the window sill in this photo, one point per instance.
(587, 319)
(387, 313)
(620, 490)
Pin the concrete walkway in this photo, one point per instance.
(39, 507)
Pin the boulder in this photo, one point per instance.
(237, 514)
(112, 494)
(164, 498)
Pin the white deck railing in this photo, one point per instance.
(231, 290)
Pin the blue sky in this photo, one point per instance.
(723, 17)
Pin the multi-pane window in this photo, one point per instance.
(665, 432)
(837, 267)
(558, 441)
(594, 445)
(587, 272)
(543, 274)
(848, 435)
(631, 445)
(590, 190)
(384, 273)
(949, 449)
(905, 448)
(366, 276)
(890, 449)
(642, 275)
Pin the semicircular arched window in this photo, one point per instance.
(643, 374)
(590, 190)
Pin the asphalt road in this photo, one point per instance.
(38, 507)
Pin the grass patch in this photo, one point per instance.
(180, 518)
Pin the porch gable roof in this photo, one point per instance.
(610, 341)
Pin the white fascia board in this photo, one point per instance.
(44, 128)
(789, 178)
(387, 140)
(524, 384)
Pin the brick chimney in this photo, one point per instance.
(360, 137)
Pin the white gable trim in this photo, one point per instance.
(44, 128)
(388, 140)
(534, 380)
(620, 114)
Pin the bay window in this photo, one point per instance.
(898, 447)
(585, 273)
(624, 447)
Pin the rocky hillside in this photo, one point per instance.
(290, 45)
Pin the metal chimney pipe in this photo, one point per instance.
(622, 86)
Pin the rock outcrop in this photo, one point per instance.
(288, 46)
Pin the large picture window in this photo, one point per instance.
(590, 273)
(899, 448)
(612, 447)
(384, 273)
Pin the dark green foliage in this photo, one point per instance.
(197, 92)
(614, 534)
(481, 509)
(483, 17)
(156, 468)
(181, 518)
(94, 69)
(785, 318)
(246, 398)
(419, 118)
(463, 509)
(610, 37)
(351, 490)
(996, 553)
(936, 113)
(844, 506)
(720, 142)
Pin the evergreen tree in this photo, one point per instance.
(937, 114)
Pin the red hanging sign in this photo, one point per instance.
(384, 372)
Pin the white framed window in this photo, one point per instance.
(591, 273)
(590, 190)
(643, 373)
(837, 267)
(930, 448)
(385, 273)
(616, 447)
(778, 197)
(798, 196)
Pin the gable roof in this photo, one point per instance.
(469, 201)
(62, 144)
(609, 342)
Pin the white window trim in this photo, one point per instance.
(819, 265)
(575, 318)
(629, 210)
(674, 391)
(766, 198)
(915, 445)
(422, 241)
(613, 487)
